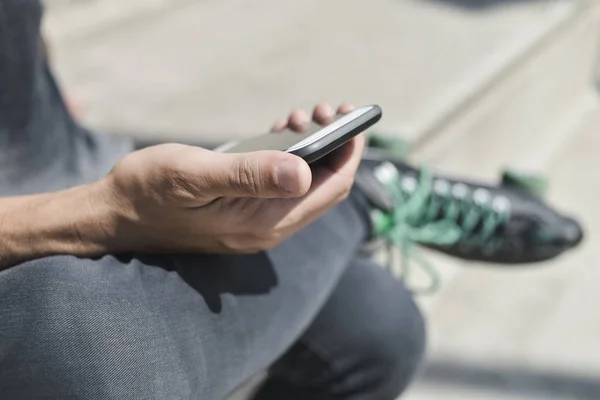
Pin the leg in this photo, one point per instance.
(175, 327)
(366, 343)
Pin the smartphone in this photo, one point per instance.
(316, 142)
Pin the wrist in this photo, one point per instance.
(80, 221)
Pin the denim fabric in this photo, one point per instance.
(41, 148)
(328, 324)
(195, 327)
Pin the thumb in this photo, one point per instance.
(262, 174)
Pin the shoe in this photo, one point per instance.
(504, 223)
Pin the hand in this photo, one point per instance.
(187, 199)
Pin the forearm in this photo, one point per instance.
(78, 221)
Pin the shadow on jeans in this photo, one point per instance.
(215, 275)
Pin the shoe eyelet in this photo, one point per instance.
(409, 184)
(501, 204)
(441, 187)
(386, 172)
(460, 191)
(481, 196)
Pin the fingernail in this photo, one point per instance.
(287, 176)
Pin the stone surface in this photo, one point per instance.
(527, 333)
(227, 69)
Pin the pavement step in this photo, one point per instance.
(79, 19)
(526, 333)
(525, 120)
(528, 107)
(421, 60)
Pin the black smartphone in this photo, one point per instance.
(316, 142)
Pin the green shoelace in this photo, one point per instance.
(434, 212)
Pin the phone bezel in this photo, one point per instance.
(327, 139)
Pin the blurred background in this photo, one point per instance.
(473, 85)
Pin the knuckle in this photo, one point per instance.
(268, 241)
(229, 243)
(260, 239)
(244, 177)
(242, 244)
(252, 241)
(178, 185)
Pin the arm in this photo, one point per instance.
(78, 221)
(182, 199)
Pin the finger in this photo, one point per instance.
(263, 174)
(345, 108)
(348, 162)
(345, 160)
(279, 125)
(329, 186)
(299, 121)
(323, 114)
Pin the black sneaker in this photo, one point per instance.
(503, 224)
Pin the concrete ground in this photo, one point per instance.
(506, 333)
(222, 70)
(208, 70)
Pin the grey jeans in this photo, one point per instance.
(330, 325)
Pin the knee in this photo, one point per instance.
(379, 334)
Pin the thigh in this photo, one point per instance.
(175, 327)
